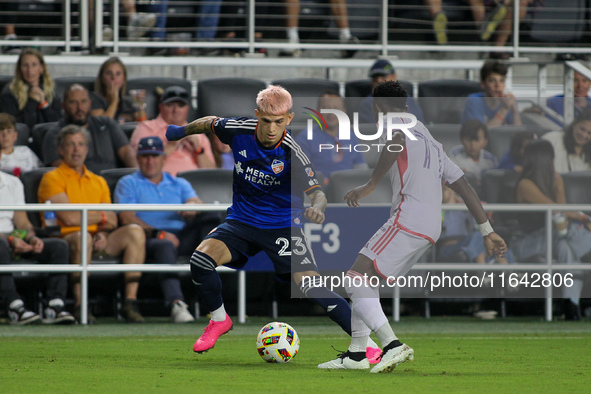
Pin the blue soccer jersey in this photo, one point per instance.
(269, 183)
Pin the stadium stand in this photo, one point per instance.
(31, 180)
(577, 187)
(113, 175)
(500, 139)
(435, 99)
(228, 97)
(37, 137)
(211, 185)
(23, 134)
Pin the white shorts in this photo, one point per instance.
(394, 251)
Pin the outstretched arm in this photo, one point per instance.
(198, 126)
(492, 241)
(385, 162)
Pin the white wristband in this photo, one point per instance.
(485, 228)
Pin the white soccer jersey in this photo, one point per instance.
(416, 181)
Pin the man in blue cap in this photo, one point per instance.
(382, 70)
(168, 233)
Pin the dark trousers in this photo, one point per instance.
(55, 251)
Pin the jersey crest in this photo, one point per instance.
(277, 166)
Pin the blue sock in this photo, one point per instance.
(336, 307)
(207, 280)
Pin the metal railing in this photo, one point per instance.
(84, 268)
(383, 19)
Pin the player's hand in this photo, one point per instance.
(353, 196)
(174, 132)
(314, 215)
(37, 244)
(495, 244)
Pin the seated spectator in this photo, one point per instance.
(111, 98)
(341, 17)
(168, 234)
(382, 70)
(191, 153)
(582, 99)
(14, 158)
(73, 183)
(541, 184)
(222, 153)
(513, 158)
(471, 156)
(109, 144)
(493, 107)
(330, 160)
(460, 235)
(17, 237)
(30, 96)
(572, 147)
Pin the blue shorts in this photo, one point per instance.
(287, 247)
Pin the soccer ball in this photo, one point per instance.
(278, 342)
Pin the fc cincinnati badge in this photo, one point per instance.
(277, 166)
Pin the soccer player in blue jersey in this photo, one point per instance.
(265, 214)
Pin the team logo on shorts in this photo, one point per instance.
(309, 171)
(277, 166)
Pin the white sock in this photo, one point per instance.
(292, 34)
(371, 343)
(358, 344)
(345, 34)
(219, 314)
(386, 334)
(365, 303)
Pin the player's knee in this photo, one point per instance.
(201, 264)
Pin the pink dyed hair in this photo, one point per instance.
(274, 100)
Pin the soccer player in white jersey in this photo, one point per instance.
(416, 172)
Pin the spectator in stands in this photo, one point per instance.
(330, 160)
(168, 234)
(513, 159)
(496, 18)
(73, 183)
(14, 158)
(111, 98)
(382, 70)
(191, 153)
(471, 156)
(30, 96)
(339, 10)
(572, 147)
(109, 144)
(582, 99)
(460, 239)
(222, 153)
(17, 237)
(138, 23)
(9, 11)
(493, 107)
(541, 184)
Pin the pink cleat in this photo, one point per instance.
(373, 354)
(211, 333)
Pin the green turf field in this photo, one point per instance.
(451, 355)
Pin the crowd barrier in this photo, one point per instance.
(322, 252)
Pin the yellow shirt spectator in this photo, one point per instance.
(86, 189)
